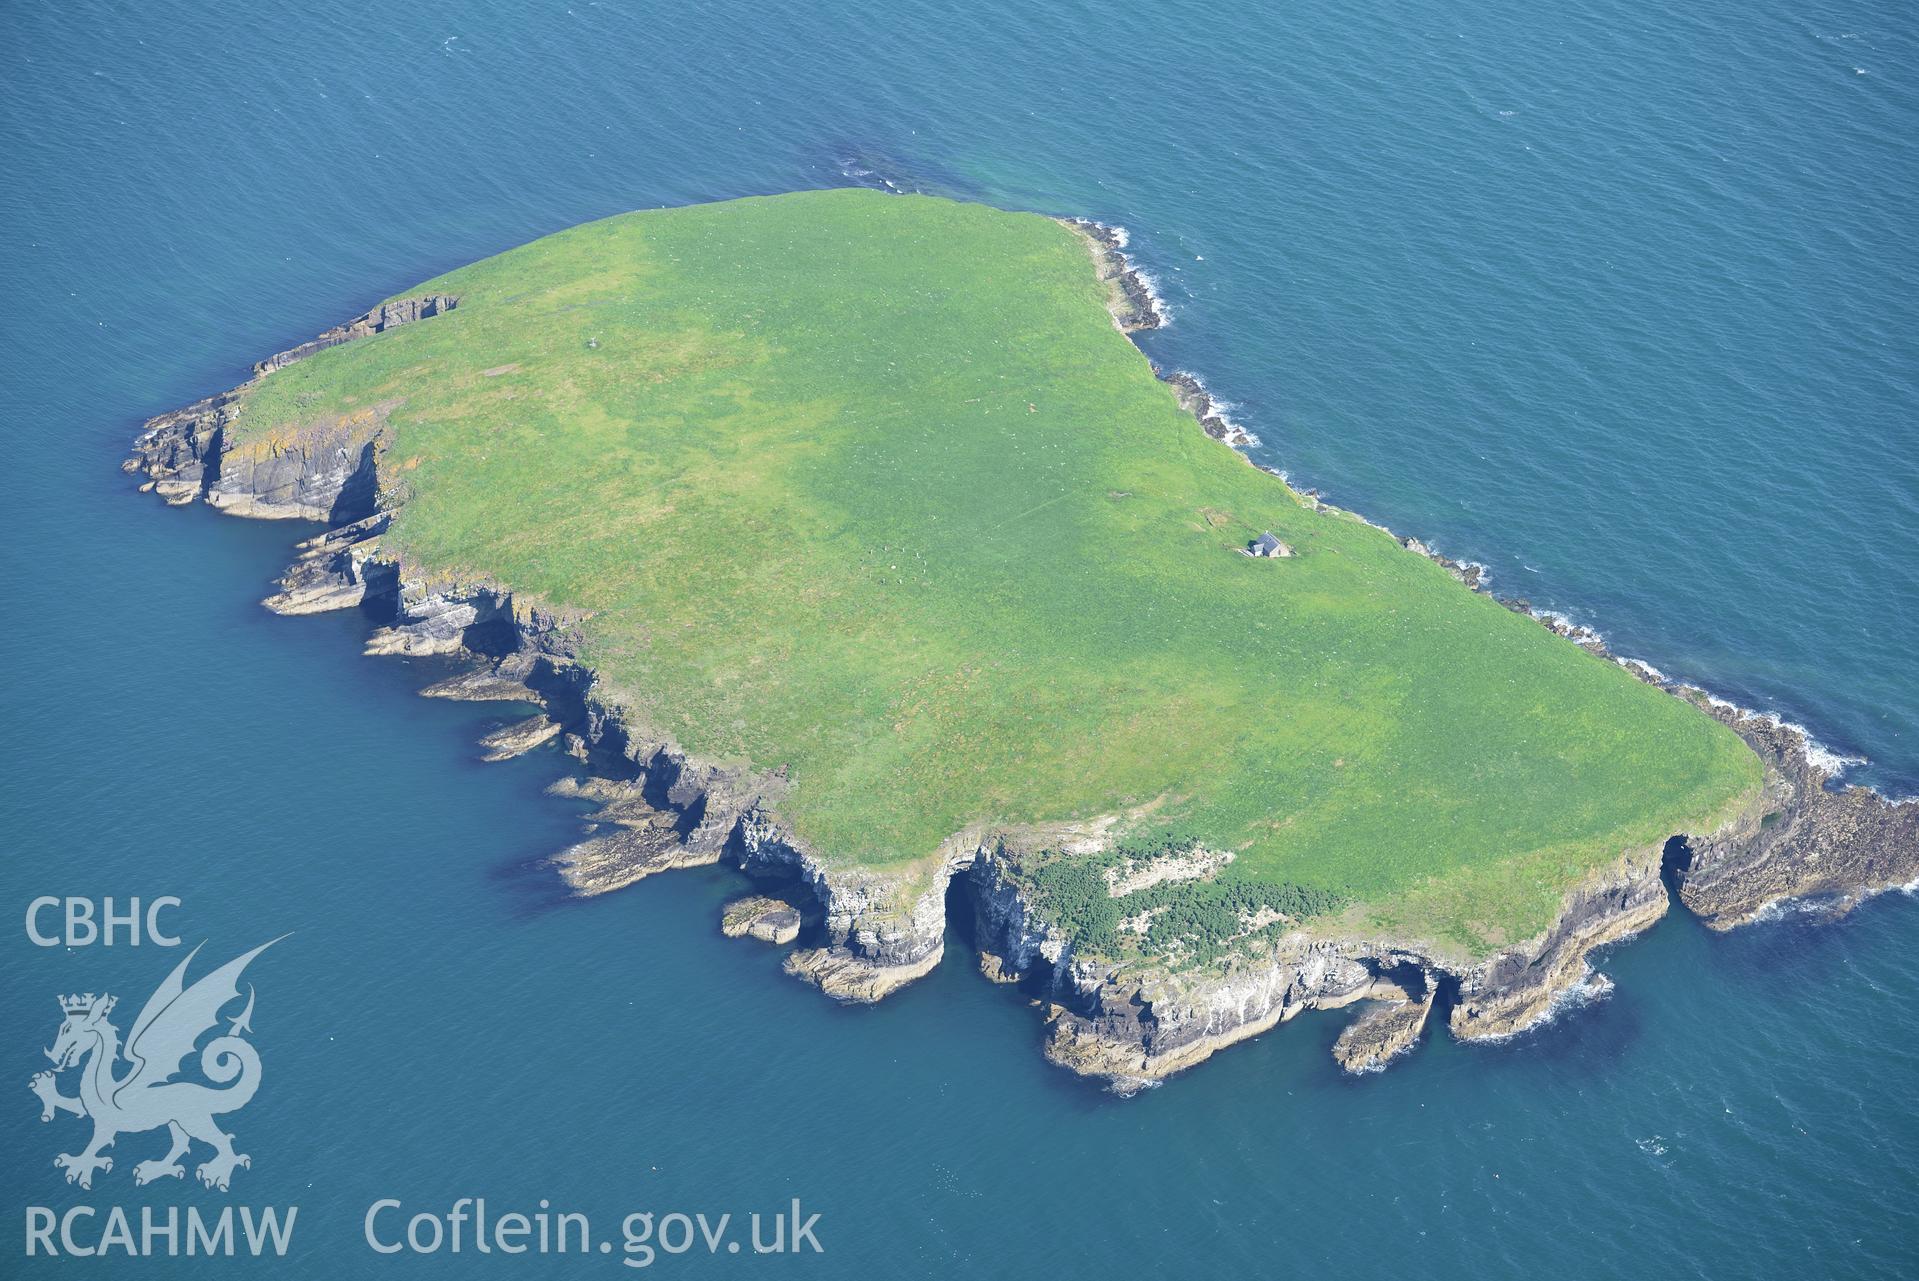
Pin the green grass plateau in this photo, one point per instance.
(871, 488)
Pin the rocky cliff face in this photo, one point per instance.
(1132, 1027)
(175, 450)
(1518, 987)
(1015, 943)
(327, 471)
(875, 930)
(340, 569)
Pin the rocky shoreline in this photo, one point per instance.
(875, 931)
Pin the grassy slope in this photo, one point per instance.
(870, 487)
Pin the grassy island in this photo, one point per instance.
(872, 490)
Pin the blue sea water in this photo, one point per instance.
(1620, 299)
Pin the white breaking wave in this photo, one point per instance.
(1154, 299)
(1783, 909)
(1236, 433)
(1572, 630)
(1590, 988)
(1832, 764)
(1828, 762)
(1653, 673)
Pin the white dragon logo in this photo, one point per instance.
(173, 1019)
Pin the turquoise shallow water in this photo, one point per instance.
(1618, 299)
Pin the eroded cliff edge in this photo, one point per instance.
(875, 931)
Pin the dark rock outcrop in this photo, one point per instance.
(340, 569)
(326, 470)
(481, 685)
(388, 315)
(1134, 304)
(1805, 840)
(175, 450)
(1381, 1033)
(520, 737)
(1518, 987)
(617, 858)
(1196, 400)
